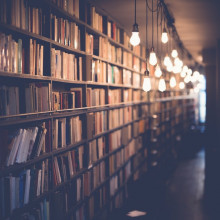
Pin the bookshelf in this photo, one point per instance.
(75, 124)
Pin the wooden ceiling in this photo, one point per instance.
(197, 21)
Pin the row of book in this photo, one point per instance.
(127, 59)
(33, 97)
(116, 118)
(127, 95)
(18, 57)
(96, 123)
(71, 6)
(114, 74)
(126, 77)
(96, 20)
(113, 31)
(67, 100)
(99, 70)
(66, 165)
(65, 32)
(114, 96)
(95, 97)
(66, 131)
(136, 80)
(21, 14)
(25, 144)
(65, 65)
(37, 97)
(17, 190)
(97, 149)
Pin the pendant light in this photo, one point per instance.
(153, 57)
(135, 39)
(147, 81)
(182, 85)
(172, 82)
(164, 37)
(158, 71)
(162, 85)
(174, 53)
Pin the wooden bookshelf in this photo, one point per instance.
(57, 169)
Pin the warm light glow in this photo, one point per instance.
(185, 68)
(153, 58)
(147, 84)
(182, 85)
(135, 39)
(189, 71)
(172, 82)
(162, 85)
(196, 74)
(183, 74)
(196, 89)
(174, 53)
(170, 67)
(167, 61)
(187, 79)
(164, 37)
(176, 69)
(158, 71)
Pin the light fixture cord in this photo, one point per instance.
(135, 11)
(157, 30)
(152, 24)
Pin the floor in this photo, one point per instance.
(180, 198)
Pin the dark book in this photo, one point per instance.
(57, 206)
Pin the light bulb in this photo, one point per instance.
(153, 58)
(174, 53)
(182, 85)
(170, 67)
(135, 39)
(147, 84)
(185, 68)
(189, 71)
(196, 74)
(164, 37)
(196, 89)
(187, 79)
(158, 71)
(183, 74)
(162, 85)
(172, 82)
(167, 61)
(176, 69)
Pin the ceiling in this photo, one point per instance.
(197, 21)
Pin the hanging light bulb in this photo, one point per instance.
(167, 61)
(135, 39)
(189, 71)
(196, 74)
(164, 37)
(172, 82)
(147, 82)
(174, 53)
(158, 71)
(187, 79)
(185, 68)
(162, 85)
(153, 57)
(183, 74)
(176, 69)
(170, 67)
(182, 85)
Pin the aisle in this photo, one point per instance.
(184, 193)
(180, 199)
